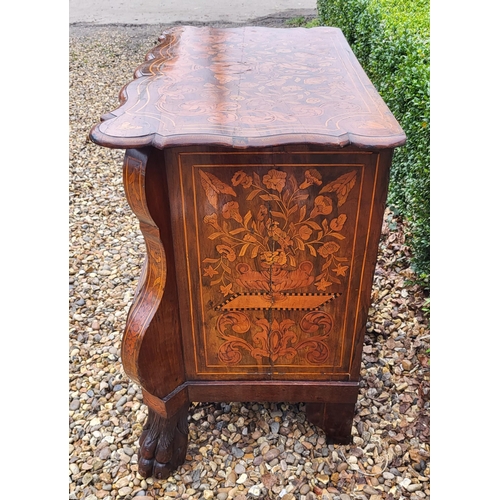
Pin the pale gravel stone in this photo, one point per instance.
(254, 491)
(122, 482)
(239, 469)
(74, 469)
(414, 487)
(126, 490)
(242, 479)
(272, 455)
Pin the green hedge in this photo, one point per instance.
(391, 41)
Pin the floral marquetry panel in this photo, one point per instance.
(272, 252)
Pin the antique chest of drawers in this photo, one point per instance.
(257, 162)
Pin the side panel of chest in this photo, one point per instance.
(274, 257)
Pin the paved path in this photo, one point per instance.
(99, 12)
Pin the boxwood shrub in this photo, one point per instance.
(391, 41)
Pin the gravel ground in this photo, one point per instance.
(236, 450)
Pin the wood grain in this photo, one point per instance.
(152, 334)
(247, 87)
(257, 164)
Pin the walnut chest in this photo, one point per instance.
(257, 162)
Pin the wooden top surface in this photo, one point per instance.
(250, 86)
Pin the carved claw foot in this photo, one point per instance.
(163, 444)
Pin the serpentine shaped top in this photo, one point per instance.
(249, 86)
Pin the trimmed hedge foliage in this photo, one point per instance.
(391, 41)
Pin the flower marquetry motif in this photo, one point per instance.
(278, 244)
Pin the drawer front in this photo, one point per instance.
(275, 249)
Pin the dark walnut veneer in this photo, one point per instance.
(257, 162)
